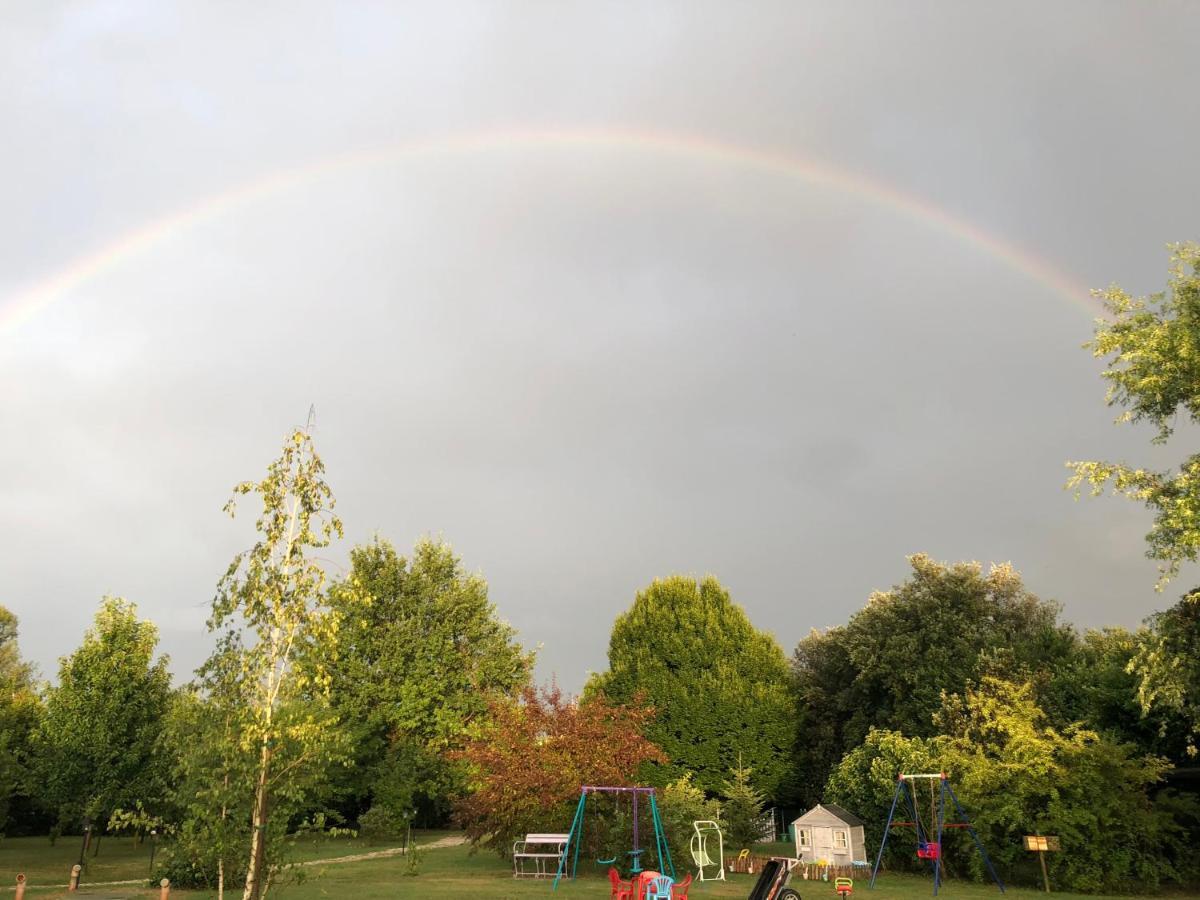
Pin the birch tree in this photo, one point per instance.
(271, 611)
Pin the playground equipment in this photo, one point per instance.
(575, 835)
(928, 849)
(843, 887)
(772, 883)
(705, 829)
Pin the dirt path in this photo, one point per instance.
(453, 840)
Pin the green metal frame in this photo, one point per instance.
(575, 836)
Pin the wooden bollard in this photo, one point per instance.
(20, 886)
(75, 870)
(165, 886)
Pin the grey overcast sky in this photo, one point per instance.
(565, 333)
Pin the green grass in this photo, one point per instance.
(444, 873)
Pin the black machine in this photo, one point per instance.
(772, 883)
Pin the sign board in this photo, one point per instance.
(1042, 843)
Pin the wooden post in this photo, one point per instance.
(1041, 845)
(75, 870)
(20, 886)
(165, 889)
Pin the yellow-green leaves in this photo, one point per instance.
(272, 611)
(1152, 345)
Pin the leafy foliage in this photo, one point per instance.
(1016, 775)
(720, 687)
(937, 632)
(742, 807)
(864, 783)
(1099, 684)
(1153, 371)
(418, 663)
(531, 758)
(20, 712)
(681, 804)
(273, 594)
(98, 743)
(214, 774)
(1168, 666)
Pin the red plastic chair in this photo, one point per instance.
(680, 891)
(621, 890)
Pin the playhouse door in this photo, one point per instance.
(823, 844)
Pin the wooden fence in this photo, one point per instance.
(804, 872)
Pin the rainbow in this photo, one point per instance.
(28, 302)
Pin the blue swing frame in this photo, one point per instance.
(923, 843)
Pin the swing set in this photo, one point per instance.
(575, 837)
(929, 840)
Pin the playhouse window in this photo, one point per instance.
(805, 837)
(840, 840)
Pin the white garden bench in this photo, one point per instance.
(540, 848)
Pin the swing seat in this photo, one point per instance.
(929, 850)
(635, 866)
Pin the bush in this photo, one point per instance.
(381, 823)
(189, 868)
(682, 804)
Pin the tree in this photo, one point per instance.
(1153, 370)
(1017, 775)
(742, 808)
(531, 758)
(20, 711)
(213, 769)
(682, 803)
(1167, 663)
(269, 611)
(1099, 684)
(418, 664)
(98, 743)
(865, 779)
(939, 631)
(720, 686)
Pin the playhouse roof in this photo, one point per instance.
(845, 816)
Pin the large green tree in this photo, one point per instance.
(20, 710)
(1152, 347)
(719, 686)
(270, 613)
(1016, 774)
(419, 662)
(938, 631)
(98, 743)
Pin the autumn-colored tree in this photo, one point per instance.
(531, 760)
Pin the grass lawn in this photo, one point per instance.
(444, 873)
